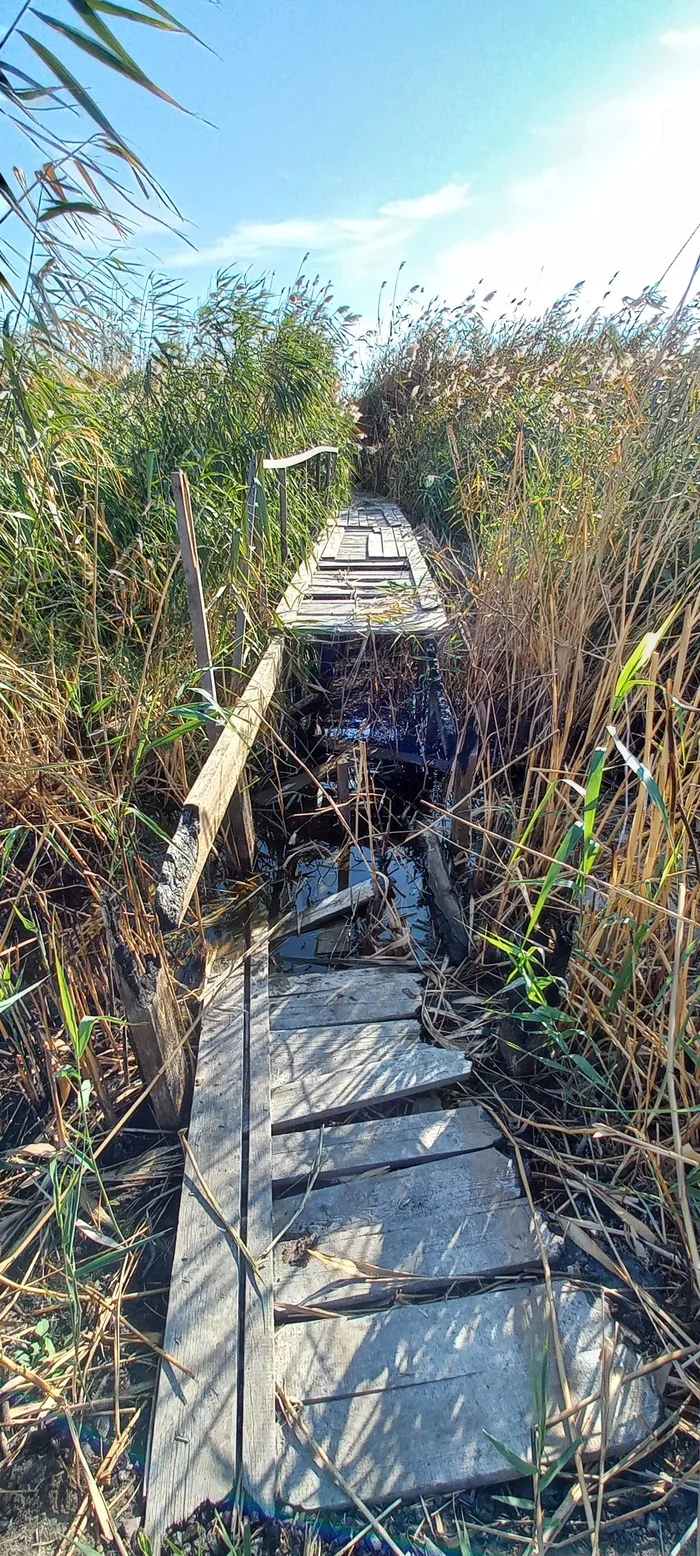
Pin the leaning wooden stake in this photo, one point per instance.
(193, 580)
(240, 816)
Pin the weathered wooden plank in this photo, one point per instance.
(478, 1181)
(325, 1096)
(402, 1401)
(365, 1267)
(353, 995)
(296, 1051)
(258, 1429)
(193, 580)
(374, 544)
(194, 1431)
(211, 792)
(156, 1027)
(351, 900)
(348, 1149)
(299, 459)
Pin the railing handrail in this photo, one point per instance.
(299, 459)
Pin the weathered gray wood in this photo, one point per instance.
(194, 1431)
(352, 900)
(327, 1096)
(299, 459)
(402, 1401)
(353, 995)
(444, 899)
(348, 1149)
(428, 1244)
(476, 1181)
(157, 1029)
(239, 817)
(212, 790)
(193, 581)
(258, 1433)
(296, 1051)
(283, 514)
(374, 579)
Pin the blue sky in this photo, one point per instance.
(526, 143)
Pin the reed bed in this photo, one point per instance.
(555, 467)
(101, 731)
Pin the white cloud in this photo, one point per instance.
(623, 196)
(685, 38)
(358, 236)
(452, 197)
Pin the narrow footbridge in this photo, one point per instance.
(360, 1285)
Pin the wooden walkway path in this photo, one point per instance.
(357, 1293)
(366, 574)
(383, 1319)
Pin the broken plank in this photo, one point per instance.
(195, 1412)
(351, 900)
(348, 1149)
(211, 792)
(298, 1050)
(327, 1096)
(377, 1392)
(258, 1428)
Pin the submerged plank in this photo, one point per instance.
(348, 1149)
(298, 1050)
(194, 1431)
(317, 1096)
(402, 1401)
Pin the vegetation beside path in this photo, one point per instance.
(554, 466)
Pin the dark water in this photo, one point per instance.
(319, 875)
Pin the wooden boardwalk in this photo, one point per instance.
(358, 1292)
(367, 574)
(383, 1318)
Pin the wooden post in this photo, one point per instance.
(193, 581)
(252, 504)
(156, 1026)
(343, 794)
(283, 514)
(463, 778)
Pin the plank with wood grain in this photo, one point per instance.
(439, 1222)
(369, 1083)
(298, 1050)
(348, 996)
(403, 1402)
(258, 1461)
(348, 1149)
(195, 1412)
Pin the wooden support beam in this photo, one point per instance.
(212, 791)
(196, 1408)
(156, 1025)
(193, 580)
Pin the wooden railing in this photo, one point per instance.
(323, 451)
(215, 801)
